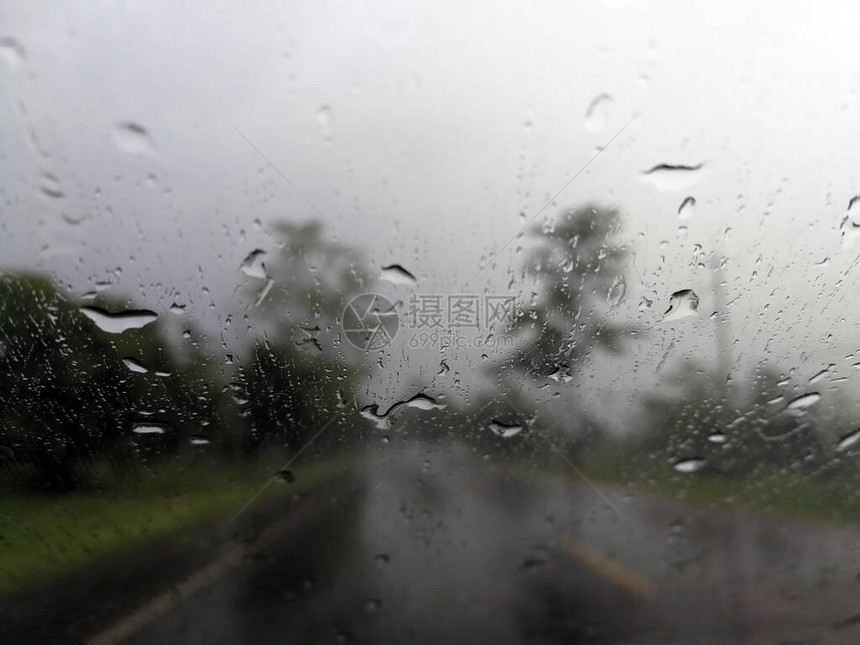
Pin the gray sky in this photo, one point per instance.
(423, 133)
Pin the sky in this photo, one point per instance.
(428, 136)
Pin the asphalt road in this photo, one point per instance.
(427, 544)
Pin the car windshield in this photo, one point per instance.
(521, 323)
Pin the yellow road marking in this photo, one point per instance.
(613, 571)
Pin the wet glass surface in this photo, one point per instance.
(521, 324)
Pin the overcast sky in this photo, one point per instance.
(423, 133)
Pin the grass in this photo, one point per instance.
(799, 495)
(43, 536)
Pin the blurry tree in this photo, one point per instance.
(298, 374)
(71, 394)
(577, 271)
(574, 272)
(64, 396)
(754, 435)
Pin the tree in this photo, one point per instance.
(298, 374)
(577, 269)
(574, 270)
(64, 396)
(72, 394)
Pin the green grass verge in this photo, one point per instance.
(799, 496)
(44, 536)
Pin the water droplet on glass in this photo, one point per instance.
(561, 374)
(371, 412)
(177, 309)
(850, 232)
(505, 430)
(199, 441)
(690, 465)
(372, 606)
(804, 402)
(264, 291)
(671, 177)
(253, 265)
(134, 365)
(419, 402)
(286, 476)
(397, 274)
(848, 440)
(682, 304)
(49, 186)
(148, 428)
(617, 291)
(598, 110)
(443, 368)
(717, 437)
(820, 375)
(381, 558)
(687, 209)
(12, 53)
(133, 139)
(323, 118)
(116, 323)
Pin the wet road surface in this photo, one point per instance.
(430, 544)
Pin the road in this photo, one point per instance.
(430, 544)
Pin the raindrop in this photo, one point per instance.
(443, 368)
(821, 374)
(804, 402)
(717, 437)
(50, 186)
(371, 412)
(116, 323)
(199, 441)
(645, 304)
(561, 374)
(689, 465)
(381, 419)
(309, 344)
(671, 177)
(381, 558)
(420, 402)
(286, 476)
(134, 365)
(253, 265)
(324, 120)
(148, 428)
(848, 440)
(177, 309)
(372, 606)
(397, 274)
(616, 292)
(531, 563)
(682, 304)
(597, 112)
(12, 52)
(186, 334)
(133, 139)
(850, 232)
(162, 374)
(264, 291)
(505, 430)
(687, 209)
